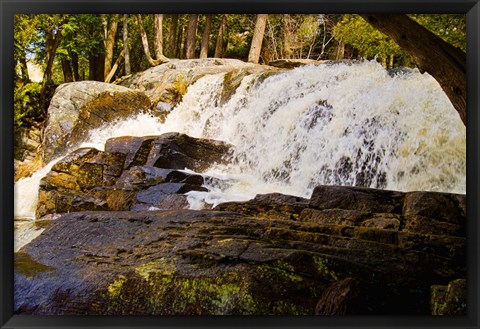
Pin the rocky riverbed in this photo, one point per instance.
(345, 250)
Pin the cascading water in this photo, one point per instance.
(342, 124)
(333, 124)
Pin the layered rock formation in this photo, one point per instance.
(133, 173)
(345, 250)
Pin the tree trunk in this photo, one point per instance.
(114, 68)
(52, 43)
(172, 38)
(221, 32)
(67, 70)
(256, 46)
(110, 43)
(146, 48)
(206, 36)
(191, 36)
(126, 51)
(340, 50)
(76, 74)
(24, 68)
(431, 54)
(96, 67)
(180, 45)
(158, 39)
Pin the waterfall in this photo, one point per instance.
(335, 124)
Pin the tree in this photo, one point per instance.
(206, 37)
(191, 36)
(153, 62)
(446, 63)
(220, 36)
(110, 32)
(53, 36)
(256, 46)
(368, 41)
(158, 39)
(125, 45)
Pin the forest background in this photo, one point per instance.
(68, 48)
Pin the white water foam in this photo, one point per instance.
(331, 124)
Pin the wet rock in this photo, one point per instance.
(449, 299)
(273, 206)
(439, 206)
(339, 298)
(128, 173)
(183, 262)
(155, 194)
(170, 150)
(80, 106)
(356, 198)
(292, 63)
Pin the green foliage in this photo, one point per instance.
(27, 108)
(355, 31)
(452, 27)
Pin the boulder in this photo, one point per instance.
(170, 151)
(127, 175)
(78, 107)
(166, 84)
(449, 299)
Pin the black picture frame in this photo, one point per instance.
(11, 7)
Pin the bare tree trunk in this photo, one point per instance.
(172, 38)
(158, 40)
(431, 54)
(221, 32)
(67, 70)
(115, 67)
(126, 51)
(256, 46)
(287, 48)
(110, 43)
(340, 50)
(146, 48)
(191, 36)
(206, 36)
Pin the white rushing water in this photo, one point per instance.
(336, 124)
(332, 124)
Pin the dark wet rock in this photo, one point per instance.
(79, 107)
(339, 298)
(449, 299)
(274, 205)
(293, 63)
(356, 198)
(439, 206)
(128, 173)
(170, 150)
(332, 216)
(186, 262)
(153, 195)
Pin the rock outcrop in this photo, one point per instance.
(166, 84)
(133, 173)
(78, 107)
(371, 254)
